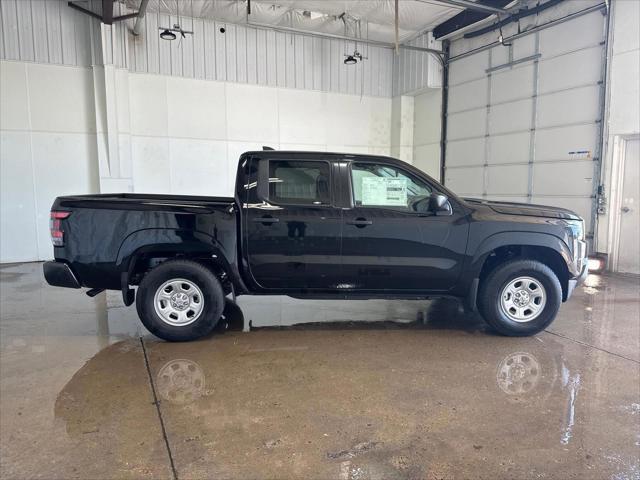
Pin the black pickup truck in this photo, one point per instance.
(318, 225)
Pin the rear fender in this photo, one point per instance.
(166, 241)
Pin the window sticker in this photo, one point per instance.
(389, 192)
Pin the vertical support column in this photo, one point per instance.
(534, 119)
(110, 139)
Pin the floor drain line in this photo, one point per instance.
(157, 404)
(592, 346)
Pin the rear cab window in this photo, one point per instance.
(299, 182)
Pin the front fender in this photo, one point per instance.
(525, 239)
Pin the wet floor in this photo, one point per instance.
(389, 389)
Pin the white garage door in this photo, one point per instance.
(524, 120)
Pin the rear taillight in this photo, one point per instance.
(55, 225)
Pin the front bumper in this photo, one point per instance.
(574, 282)
(59, 274)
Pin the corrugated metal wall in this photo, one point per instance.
(48, 31)
(257, 56)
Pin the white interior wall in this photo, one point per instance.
(173, 135)
(47, 148)
(402, 128)
(426, 131)
(623, 110)
(187, 134)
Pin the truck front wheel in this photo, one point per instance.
(180, 300)
(520, 297)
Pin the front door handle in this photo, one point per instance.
(266, 220)
(360, 222)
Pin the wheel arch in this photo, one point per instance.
(497, 249)
(145, 249)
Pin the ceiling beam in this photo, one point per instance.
(311, 33)
(468, 4)
(107, 12)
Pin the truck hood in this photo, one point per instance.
(527, 209)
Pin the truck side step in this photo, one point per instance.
(95, 291)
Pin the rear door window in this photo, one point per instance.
(299, 182)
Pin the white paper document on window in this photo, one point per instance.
(390, 192)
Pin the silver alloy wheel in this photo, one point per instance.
(523, 299)
(178, 302)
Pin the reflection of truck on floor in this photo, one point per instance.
(318, 225)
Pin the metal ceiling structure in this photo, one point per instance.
(372, 20)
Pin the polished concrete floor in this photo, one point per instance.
(425, 392)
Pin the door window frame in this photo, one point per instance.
(408, 174)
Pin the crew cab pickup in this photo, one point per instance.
(318, 225)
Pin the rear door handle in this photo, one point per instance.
(266, 220)
(360, 222)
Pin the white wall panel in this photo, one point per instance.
(18, 235)
(524, 46)
(512, 84)
(63, 164)
(468, 95)
(151, 164)
(252, 113)
(465, 152)
(580, 105)
(196, 109)
(558, 143)
(625, 93)
(509, 148)
(510, 117)
(70, 108)
(199, 167)
(566, 70)
(581, 32)
(507, 179)
(469, 68)
(427, 117)
(551, 178)
(467, 124)
(427, 159)
(465, 181)
(14, 97)
(297, 104)
(149, 105)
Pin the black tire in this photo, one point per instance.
(194, 272)
(489, 297)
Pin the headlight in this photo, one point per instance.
(577, 228)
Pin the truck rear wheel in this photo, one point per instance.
(520, 297)
(180, 300)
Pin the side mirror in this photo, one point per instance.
(437, 202)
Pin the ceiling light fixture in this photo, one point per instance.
(167, 34)
(170, 33)
(354, 58)
(350, 60)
